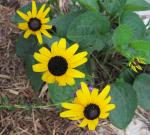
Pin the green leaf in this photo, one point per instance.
(62, 22)
(26, 46)
(124, 97)
(89, 4)
(114, 7)
(141, 49)
(122, 36)
(137, 5)
(35, 78)
(89, 30)
(142, 88)
(135, 22)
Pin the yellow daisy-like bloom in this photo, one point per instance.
(35, 22)
(135, 64)
(89, 106)
(59, 63)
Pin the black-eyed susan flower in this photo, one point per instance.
(135, 64)
(59, 63)
(35, 22)
(88, 106)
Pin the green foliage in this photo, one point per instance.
(141, 48)
(89, 29)
(62, 22)
(89, 4)
(124, 97)
(142, 88)
(137, 5)
(135, 22)
(35, 78)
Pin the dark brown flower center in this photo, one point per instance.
(92, 111)
(57, 65)
(34, 24)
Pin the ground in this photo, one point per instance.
(15, 88)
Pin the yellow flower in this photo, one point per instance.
(135, 64)
(89, 106)
(59, 63)
(35, 22)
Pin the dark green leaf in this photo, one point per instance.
(35, 78)
(124, 97)
(137, 5)
(135, 22)
(89, 30)
(142, 88)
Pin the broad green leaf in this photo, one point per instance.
(124, 97)
(26, 46)
(142, 88)
(89, 4)
(62, 22)
(137, 5)
(35, 78)
(114, 7)
(89, 29)
(135, 22)
(141, 49)
(122, 36)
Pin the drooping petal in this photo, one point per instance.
(47, 77)
(70, 81)
(27, 33)
(92, 124)
(83, 123)
(22, 15)
(23, 26)
(34, 9)
(46, 33)
(39, 37)
(75, 73)
(39, 67)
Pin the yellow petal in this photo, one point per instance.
(34, 10)
(45, 12)
(78, 57)
(46, 20)
(104, 115)
(72, 106)
(23, 26)
(107, 100)
(44, 51)
(61, 81)
(39, 67)
(62, 43)
(94, 95)
(22, 15)
(109, 107)
(83, 123)
(29, 14)
(48, 77)
(45, 27)
(39, 37)
(70, 81)
(104, 92)
(139, 67)
(27, 33)
(78, 63)
(134, 69)
(39, 14)
(92, 124)
(46, 33)
(69, 113)
(75, 73)
(85, 89)
(72, 49)
(40, 58)
(54, 47)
